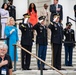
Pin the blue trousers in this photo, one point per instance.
(42, 54)
(68, 55)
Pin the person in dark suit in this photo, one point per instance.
(41, 39)
(26, 41)
(56, 41)
(12, 9)
(69, 37)
(56, 9)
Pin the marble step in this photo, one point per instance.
(45, 72)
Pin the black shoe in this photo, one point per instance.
(38, 68)
(29, 69)
(13, 70)
(70, 65)
(62, 69)
(45, 69)
(23, 68)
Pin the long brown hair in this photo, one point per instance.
(30, 8)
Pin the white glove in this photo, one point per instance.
(12, 31)
(55, 19)
(25, 21)
(40, 21)
(34, 43)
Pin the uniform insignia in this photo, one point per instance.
(23, 26)
(67, 32)
(55, 28)
(41, 28)
(31, 26)
(51, 23)
(9, 8)
(25, 29)
(55, 25)
(61, 25)
(72, 33)
(41, 31)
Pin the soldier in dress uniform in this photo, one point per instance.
(12, 9)
(41, 39)
(26, 41)
(56, 41)
(69, 43)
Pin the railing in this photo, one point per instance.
(19, 19)
(70, 19)
(14, 57)
(68, 42)
(36, 58)
(3, 38)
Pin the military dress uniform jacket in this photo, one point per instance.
(57, 33)
(69, 37)
(41, 37)
(27, 33)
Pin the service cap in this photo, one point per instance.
(26, 15)
(68, 24)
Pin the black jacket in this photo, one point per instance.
(69, 37)
(12, 11)
(56, 33)
(27, 33)
(41, 37)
